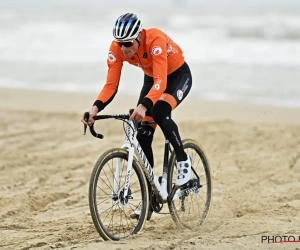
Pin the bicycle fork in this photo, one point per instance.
(124, 193)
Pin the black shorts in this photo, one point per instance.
(179, 84)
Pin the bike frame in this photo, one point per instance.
(133, 147)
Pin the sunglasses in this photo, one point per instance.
(126, 44)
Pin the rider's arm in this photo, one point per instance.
(110, 88)
(158, 51)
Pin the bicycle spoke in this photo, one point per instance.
(111, 208)
(191, 209)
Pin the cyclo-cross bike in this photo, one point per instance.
(119, 185)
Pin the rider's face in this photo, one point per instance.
(130, 51)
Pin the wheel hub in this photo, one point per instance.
(123, 201)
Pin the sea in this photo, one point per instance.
(238, 51)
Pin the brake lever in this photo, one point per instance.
(86, 117)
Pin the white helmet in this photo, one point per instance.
(127, 27)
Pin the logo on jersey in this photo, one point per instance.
(185, 85)
(179, 94)
(156, 50)
(111, 57)
(171, 49)
(156, 86)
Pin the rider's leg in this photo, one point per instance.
(161, 113)
(178, 86)
(145, 141)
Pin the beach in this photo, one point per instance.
(46, 163)
(243, 108)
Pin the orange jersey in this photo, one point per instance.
(158, 56)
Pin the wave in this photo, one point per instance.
(264, 34)
(256, 94)
(266, 100)
(66, 37)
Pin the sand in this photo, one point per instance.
(46, 163)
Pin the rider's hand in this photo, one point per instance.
(138, 113)
(93, 112)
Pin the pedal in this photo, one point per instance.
(192, 185)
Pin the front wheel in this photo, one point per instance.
(191, 209)
(109, 206)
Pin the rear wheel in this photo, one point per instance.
(110, 209)
(191, 209)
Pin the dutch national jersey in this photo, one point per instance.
(158, 56)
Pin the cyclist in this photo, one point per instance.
(167, 81)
